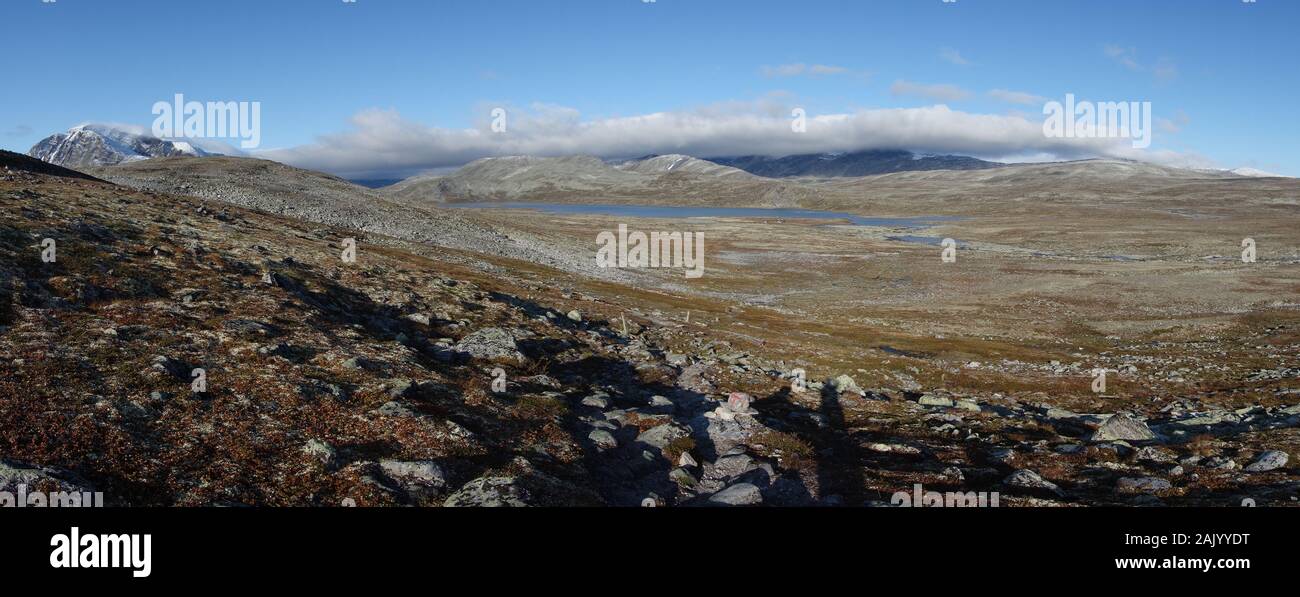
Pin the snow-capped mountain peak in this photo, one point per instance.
(104, 145)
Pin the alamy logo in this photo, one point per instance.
(949, 252)
(75, 550)
(200, 383)
(49, 251)
(213, 120)
(1101, 120)
(656, 249)
(56, 499)
(798, 381)
(1248, 250)
(498, 380)
(920, 498)
(349, 254)
(1099, 381)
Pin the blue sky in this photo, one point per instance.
(353, 87)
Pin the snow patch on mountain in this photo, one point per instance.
(1255, 173)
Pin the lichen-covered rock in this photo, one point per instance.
(493, 344)
(1123, 427)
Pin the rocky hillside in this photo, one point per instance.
(16, 162)
(312, 196)
(328, 382)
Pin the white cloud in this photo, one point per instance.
(799, 69)
(953, 56)
(825, 69)
(938, 92)
(1017, 97)
(1176, 124)
(1124, 56)
(1164, 70)
(381, 143)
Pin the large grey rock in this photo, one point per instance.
(844, 383)
(660, 436)
(1141, 485)
(683, 478)
(1222, 463)
(1270, 460)
(491, 492)
(740, 494)
(1123, 427)
(933, 400)
(729, 467)
(1027, 479)
(603, 439)
(724, 435)
(420, 478)
(694, 379)
(491, 344)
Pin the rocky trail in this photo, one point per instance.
(413, 376)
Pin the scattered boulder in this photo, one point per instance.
(740, 494)
(420, 478)
(1123, 427)
(730, 467)
(1142, 485)
(934, 400)
(661, 436)
(493, 344)
(603, 439)
(1222, 463)
(683, 478)
(394, 408)
(693, 379)
(1027, 479)
(844, 383)
(490, 492)
(1268, 461)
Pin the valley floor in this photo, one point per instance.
(330, 382)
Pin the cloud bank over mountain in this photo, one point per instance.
(384, 143)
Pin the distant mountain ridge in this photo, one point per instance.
(588, 178)
(100, 145)
(850, 164)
